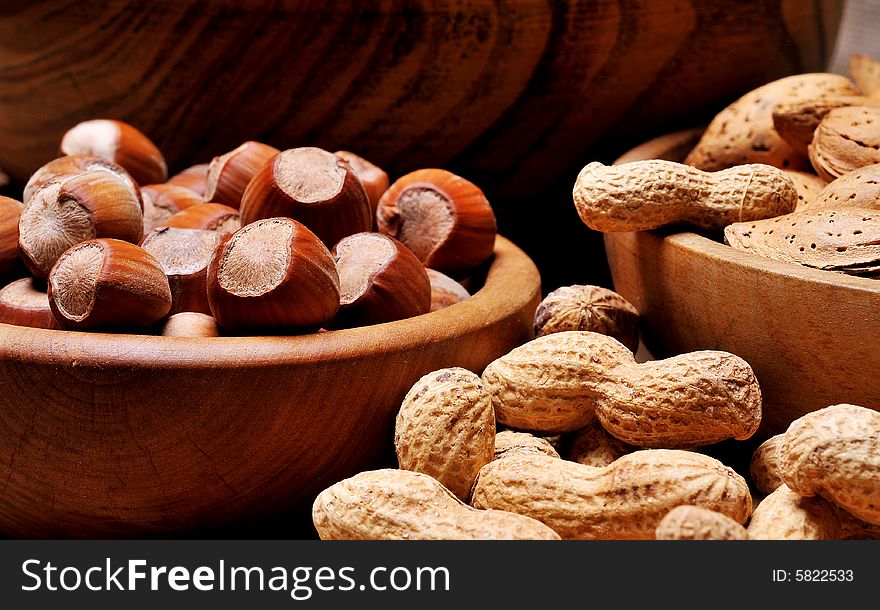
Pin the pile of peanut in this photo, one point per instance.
(259, 240)
(790, 171)
(569, 437)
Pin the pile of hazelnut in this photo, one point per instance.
(257, 241)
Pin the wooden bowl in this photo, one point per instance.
(812, 336)
(126, 435)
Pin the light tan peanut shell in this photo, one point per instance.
(865, 71)
(859, 188)
(847, 138)
(593, 446)
(625, 500)
(743, 132)
(446, 428)
(402, 505)
(590, 308)
(784, 515)
(509, 442)
(644, 195)
(835, 453)
(846, 240)
(796, 122)
(561, 382)
(687, 522)
(765, 466)
(808, 188)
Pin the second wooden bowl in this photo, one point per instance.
(123, 435)
(812, 337)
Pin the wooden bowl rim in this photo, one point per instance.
(700, 245)
(511, 281)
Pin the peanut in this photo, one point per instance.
(743, 132)
(648, 194)
(841, 239)
(509, 442)
(847, 138)
(784, 515)
(625, 500)
(688, 522)
(562, 382)
(588, 308)
(859, 188)
(592, 446)
(446, 428)
(402, 505)
(765, 467)
(835, 453)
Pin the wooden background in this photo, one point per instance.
(516, 95)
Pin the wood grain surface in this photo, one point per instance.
(516, 95)
(811, 336)
(125, 435)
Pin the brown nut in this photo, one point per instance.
(25, 303)
(687, 522)
(75, 208)
(77, 164)
(380, 280)
(443, 218)
(564, 381)
(859, 188)
(108, 283)
(625, 500)
(510, 442)
(743, 132)
(162, 201)
(446, 429)
(589, 308)
(194, 178)
(119, 143)
(190, 324)
(835, 453)
(10, 215)
(445, 291)
(184, 255)
(784, 515)
(312, 186)
(847, 138)
(593, 446)
(808, 186)
(865, 71)
(796, 122)
(208, 217)
(644, 195)
(272, 274)
(229, 174)
(373, 177)
(403, 505)
(765, 468)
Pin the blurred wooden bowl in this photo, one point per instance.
(107, 435)
(811, 336)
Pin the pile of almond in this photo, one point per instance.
(259, 240)
(790, 171)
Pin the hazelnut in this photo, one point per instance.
(207, 216)
(10, 213)
(184, 255)
(380, 280)
(25, 303)
(194, 178)
(108, 283)
(443, 218)
(72, 209)
(162, 201)
(374, 178)
(590, 308)
(312, 186)
(76, 164)
(190, 324)
(119, 143)
(445, 291)
(270, 275)
(229, 174)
